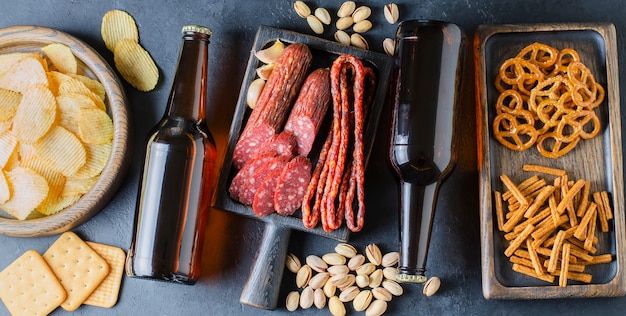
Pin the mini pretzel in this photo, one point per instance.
(539, 54)
(551, 88)
(582, 119)
(550, 112)
(559, 147)
(520, 73)
(565, 57)
(513, 135)
(509, 101)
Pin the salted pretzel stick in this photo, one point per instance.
(499, 212)
(564, 265)
(606, 204)
(534, 258)
(569, 196)
(525, 184)
(543, 169)
(556, 248)
(531, 272)
(581, 231)
(514, 190)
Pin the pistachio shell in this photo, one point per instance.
(381, 293)
(366, 268)
(293, 299)
(376, 308)
(348, 294)
(361, 13)
(334, 259)
(315, 24)
(319, 299)
(342, 37)
(336, 307)
(318, 280)
(389, 45)
(391, 13)
(362, 27)
(329, 289)
(303, 276)
(302, 9)
(345, 250)
(344, 23)
(316, 263)
(376, 278)
(393, 287)
(390, 273)
(358, 41)
(431, 286)
(362, 280)
(292, 262)
(306, 298)
(373, 254)
(355, 262)
(338, 269)
(346, 9)
(323, 15)
(362, 300)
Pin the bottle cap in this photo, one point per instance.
(197, 29)
(410, 278)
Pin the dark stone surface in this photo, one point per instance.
(232, 240)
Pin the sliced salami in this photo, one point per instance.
(251, 185)
(263, 203)
(247, 171)
(250, 143)
(284, 143)
(292, 185)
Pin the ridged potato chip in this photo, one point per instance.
(61, 57)
(74, 186)
(24, 73)
(56, 180)
(74, 86)
(118, 25)
(93, 85)
(135, 65)
(8, 60)
(8, 142)
(5, 193)
(53, 206)
(9, 101)
(28, 189)
(35, 114)
(62, 151)
(97, 157)
(68, 109)
(95, 126)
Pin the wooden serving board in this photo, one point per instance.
(598, 160)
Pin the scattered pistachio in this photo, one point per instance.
(355, 262)
(303, 276)
(381, 293)
(373, 254)
(293, 299)
(393, 287)
(302, 9)
(293, 263)
(389, 45)
(390, 273)
(315, 24)
(318, 280)
(336, 306)
(358, 41)
(362, 26)
(323, 15)
(346, 9)
(362, 280)
(376, 308)
(306, 298)
(366, 268)
(338, 269)
(342, 37)
(431, 286)
(254, 90)
(271, 54)
(348, 294)
(338, 279)
(334, 259)
(316, 263)
(361, 13)
(391, 13)
(390, 259)
(376, 278)
(319, 299)
(348, 281)
(362, 300)
(329, 289)
(345, 250)
(344, 23)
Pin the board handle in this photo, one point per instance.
(263, 285)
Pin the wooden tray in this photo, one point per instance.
(598, 160)
(262, 286)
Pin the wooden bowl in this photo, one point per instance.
(32, 38)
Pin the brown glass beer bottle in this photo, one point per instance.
(175, 185)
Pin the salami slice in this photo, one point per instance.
(284, 143)
(263, 203)
(292, 185)
(250, 143)
(247, 171)
(251, 185)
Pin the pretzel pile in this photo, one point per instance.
(547, 97)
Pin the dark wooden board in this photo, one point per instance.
(598, 160)
(261, 289)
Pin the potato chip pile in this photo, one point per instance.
(55, 133)
(121, 37)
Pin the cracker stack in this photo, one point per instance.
(70, 273)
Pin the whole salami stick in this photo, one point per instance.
(311, 216)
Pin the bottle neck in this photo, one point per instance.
(188, 94)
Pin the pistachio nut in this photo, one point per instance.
(306, 298)
(355, 262)
(336, 307)
(362, 27)
(293, 299)
(302, 9)
(338, 269)
(376, 278)
(362, 280)
(357, 40)
(381, 293)
(345, 250)
(318, 280)
(342, 37)
(319, 299)
(316, 263)
(431, 286)
(366, 268)
(346, 9)
(391, 13)
(373, 254)
(329, 289)
(389, 45)
(323, 15)
(393, 287)
(390, 273)
(348, 294)
(303, 276)
(361, 13)
(315, 24)
(334, 259)
(376, 308)
(390, 259)
(362, 300)
(344, 23)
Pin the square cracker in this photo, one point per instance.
(29, 287)
(79, 268)
(106, 294)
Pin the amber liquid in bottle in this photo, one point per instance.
(423, 145)
(175, 186)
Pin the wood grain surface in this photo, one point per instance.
(32, 38)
